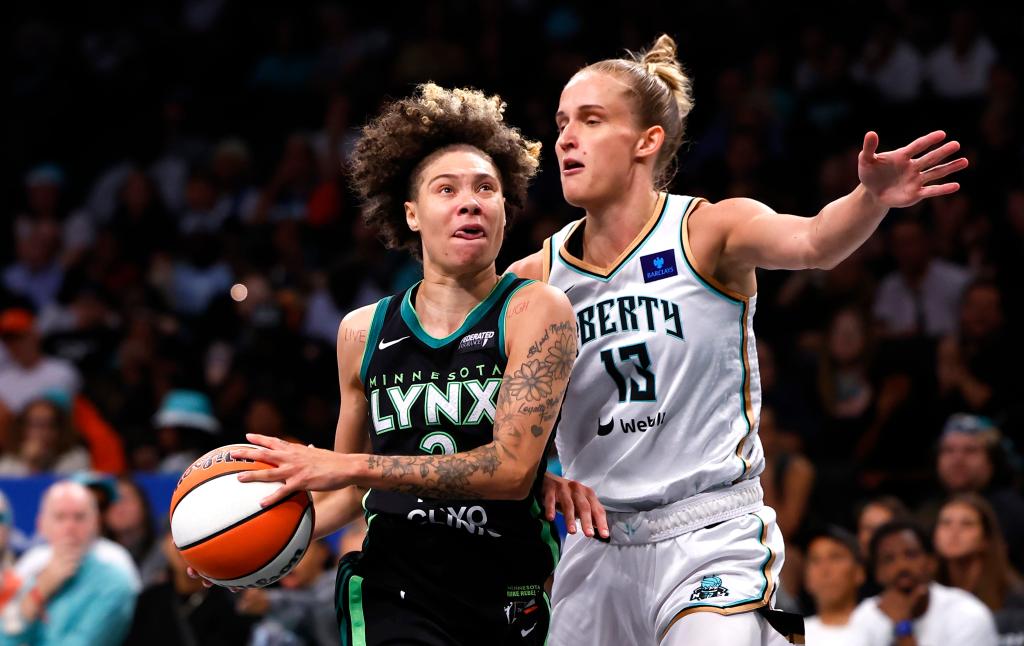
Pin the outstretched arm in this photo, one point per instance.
(748, 234)
(541, 350)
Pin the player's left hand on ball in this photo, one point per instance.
(299, 467)
(575, 501)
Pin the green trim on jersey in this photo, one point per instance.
(355, 605)
(546, 535)
(413, 320)
(501, 318)
(625, 261)
(371, 339)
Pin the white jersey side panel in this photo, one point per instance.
(665, 395)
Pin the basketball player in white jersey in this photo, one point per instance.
(661, 413)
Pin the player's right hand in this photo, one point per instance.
(207, 584)
(576, 502)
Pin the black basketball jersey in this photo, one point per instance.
(437, 396)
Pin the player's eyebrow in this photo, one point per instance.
(587, 107)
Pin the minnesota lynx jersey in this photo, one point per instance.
(437, 396)
(665, 394)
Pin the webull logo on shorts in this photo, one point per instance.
(710, 586)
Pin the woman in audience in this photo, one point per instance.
(44, 441)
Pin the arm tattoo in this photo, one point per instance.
(533, 391)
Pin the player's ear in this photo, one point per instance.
(410, 216)
(650, 141)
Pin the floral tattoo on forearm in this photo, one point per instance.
(531, 394)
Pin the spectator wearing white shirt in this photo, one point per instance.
(959, 68)
(29, 373)
(891, 65)
(912, 610)
(834, 572)
(922, 297)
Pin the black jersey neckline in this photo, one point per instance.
(479, 310)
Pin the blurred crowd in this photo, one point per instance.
(182, 246)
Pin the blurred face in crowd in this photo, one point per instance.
(127, 513)
(902, 562)
(598, 135)
(41, 428)
(909, 244)
(458, 209)
(136, 193)
(959, 532)
(871, 518)
(981, 313)
(963, 463)
(832, 573)
(846, 338)
(69, 518)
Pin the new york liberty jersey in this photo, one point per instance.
(437, 396)
(665, 395)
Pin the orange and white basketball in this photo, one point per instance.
(222, 532)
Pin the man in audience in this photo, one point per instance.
(76, 597)
(913, 610)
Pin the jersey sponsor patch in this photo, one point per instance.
(475, 341)
(657, 266)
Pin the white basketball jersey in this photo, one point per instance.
(665, 396)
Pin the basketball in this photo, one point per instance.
(222, 532)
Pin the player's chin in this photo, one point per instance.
(474, 253)
(576, 192)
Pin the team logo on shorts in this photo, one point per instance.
(710, 586)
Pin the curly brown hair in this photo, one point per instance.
(385, 164)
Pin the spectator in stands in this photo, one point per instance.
(977, 367)
(972, 557)
(973, 459)
(29, 373)
(922, 296)
(44, 441)
(129, 522)
(299, 610)
(75, 596)
(834, 573)
(186, 429)
(890, 65)
(912, 609)
(874, 514)
(37, 274)
(9, 579)
(959, 68)
(177, 609)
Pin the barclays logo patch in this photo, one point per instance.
(657, 266)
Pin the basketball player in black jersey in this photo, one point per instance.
(461, 377)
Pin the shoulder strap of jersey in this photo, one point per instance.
(552, 245)
(379, 314)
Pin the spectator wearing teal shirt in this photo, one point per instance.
(76, 598)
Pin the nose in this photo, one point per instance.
(566, 139)
(470, 207)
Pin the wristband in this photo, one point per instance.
(37, 597)
(903, 629)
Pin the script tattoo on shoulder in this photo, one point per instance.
(354, 335)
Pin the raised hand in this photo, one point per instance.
(907, 175)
